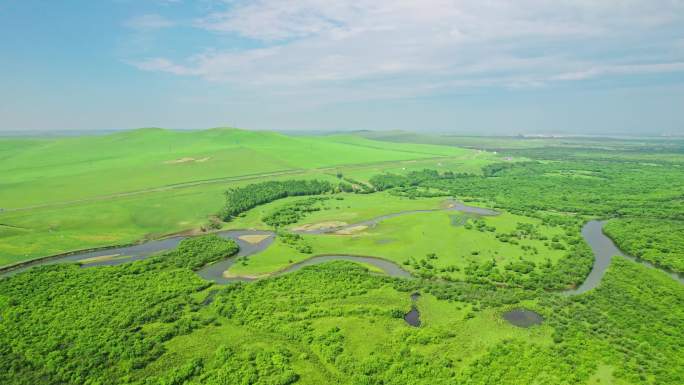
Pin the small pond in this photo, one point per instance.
(523, 318)
(413, 317)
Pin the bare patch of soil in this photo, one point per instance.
(351, 230)
(187, 160)
(320, 226)
(254, 239)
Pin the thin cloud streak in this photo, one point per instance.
(148, 22)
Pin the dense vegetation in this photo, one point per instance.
(117, 325)
(293, 212)
(635, 317)
(590, 188)
(193, 253)
(648, 195)
(414, 178)
(65, 324)
(241, 199)
(658, 241)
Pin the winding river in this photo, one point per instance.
(604, 249)
(602, 246)
(119, 255)
(452, 205)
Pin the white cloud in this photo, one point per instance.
(148, 22)
(627, 69)
(408, 47)
(164, 65)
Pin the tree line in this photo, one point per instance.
(242, 199)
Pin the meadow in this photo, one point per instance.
(41, 171)
(409, 239)
(66, 194)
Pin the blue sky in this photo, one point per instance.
(468, 66)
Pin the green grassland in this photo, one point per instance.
(66, 194)
(406, 238)
(48, 171)
(471, 162)
(122, 220)
(53, 230)
(345, 207)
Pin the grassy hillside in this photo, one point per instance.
(64, 194)
(36, 172)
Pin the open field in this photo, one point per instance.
(412, 237)
(37, 172)
(60, 195)
(58, 228)
(345, 207)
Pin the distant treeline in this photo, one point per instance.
(594, 188)
(242, 199)
(414, 178)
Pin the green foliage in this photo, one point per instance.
(635, 316)
(293, 212)
(356, 186)
(241, 199)
(589, 187)
(195, 252)
(658, 241)
(106, 325)
(295, 241)
(386, 181)
(496, 169)
(67, 325)
(228, 366)
(319, 293)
